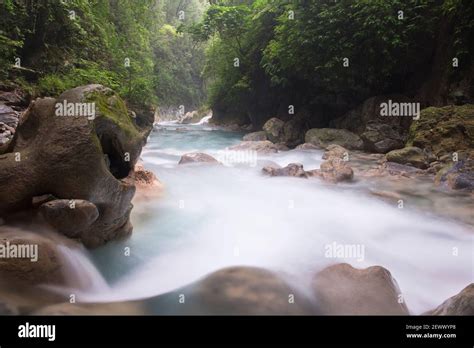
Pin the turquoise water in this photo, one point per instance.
(210, 217)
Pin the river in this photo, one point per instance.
(210, 217)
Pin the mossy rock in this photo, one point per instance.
(326, 136)
(76, 157)
(410, 155)
(444, 130)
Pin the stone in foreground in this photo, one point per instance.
(344, 290)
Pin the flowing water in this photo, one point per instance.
(210, 217)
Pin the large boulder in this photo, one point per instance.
(84, 152)
(235, 291)
(444, 130)
(326, 136)
(274, 129)
(410, 155)
(460, 304)
(344, 290)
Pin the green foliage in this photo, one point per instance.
(381, 47)
(89, 41)
(297, 49)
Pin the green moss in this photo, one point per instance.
(444, 129)
(113, 108)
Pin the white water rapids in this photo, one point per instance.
(211, 217)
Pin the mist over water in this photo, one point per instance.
(213, 216)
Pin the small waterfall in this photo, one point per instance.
(204, 120)
(82, 276)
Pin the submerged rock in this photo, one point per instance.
(84, 154)
(344, 290)
(460, 304)
(409, 155)
(326, 136)
(197, 157)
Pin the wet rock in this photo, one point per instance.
(444, 130)
(197, 157)
(255, 136)
(409, 155)
(326, 136)
(344, 290)
(114, 308)
(70, 217)
(460, 304)
(294, 131)
(42, 263)
(457, 175)
(77, 156)
(336, 151)
(381, 138)
(394, 169)
(308, 146)
(258, 146)
(282, 147)
(274, 129)
(236, 291)
(292, 169)
(37, 201)
(7, 308)
(336, 170)
(14, 97)
(9, 120)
